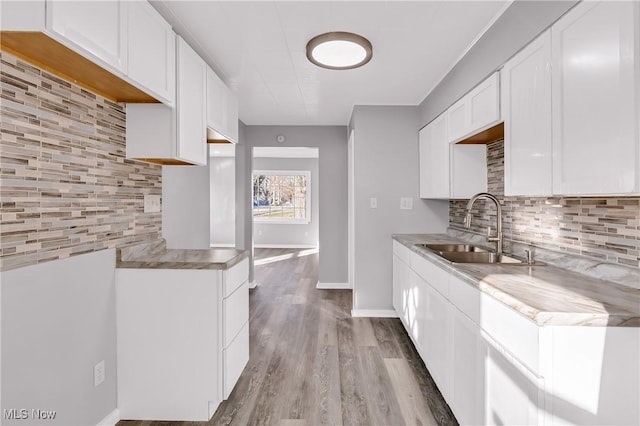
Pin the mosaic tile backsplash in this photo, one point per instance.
(65, 185)
(606, 229)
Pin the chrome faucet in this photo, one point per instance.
(491, 238)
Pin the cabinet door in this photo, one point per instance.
(458, 119)
(467, 387)
(231, 106)
(484, 104)
(468, 172)
(526, 108)
(595, 99)
(510, 395)
(397, 285)
(96, 27)
(434, 159)
(414, 308)
(191, 105)
(151, 51)
(436, 339)
(215, 101)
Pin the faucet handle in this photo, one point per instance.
(529, 254)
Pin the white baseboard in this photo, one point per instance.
(374, 313)
(295, 246)
(111, 419)
(214, 245)
(253, 284)
(333, 286)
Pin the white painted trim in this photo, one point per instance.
(302, 246)
(253, 284)
(374, 313)
(222, 245)
(111, 419)
(333, 286)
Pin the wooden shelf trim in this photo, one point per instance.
(492, 134)
(52, 56)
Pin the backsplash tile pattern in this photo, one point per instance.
(604, 228)
(65, 186)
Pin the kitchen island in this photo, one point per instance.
(182, 330)
(521, 344)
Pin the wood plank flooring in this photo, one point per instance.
(312, 364)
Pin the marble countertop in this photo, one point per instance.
(155, 255)
(546, 294)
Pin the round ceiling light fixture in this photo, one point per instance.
(339, 50)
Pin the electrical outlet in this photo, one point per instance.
(98, 373)
(151, 203)
(406, 203)
(373, 202)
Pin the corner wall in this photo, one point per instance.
(332, 225)
(69, 197)
(386, 168)
(518, 25)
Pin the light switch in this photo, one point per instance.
(406, 203)
(373, 202)
(151, 203)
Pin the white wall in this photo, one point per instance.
(222, 173)
(290, 235)
(185, 206)
(58, 321)
(386, 168)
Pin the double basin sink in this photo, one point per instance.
(465, 253)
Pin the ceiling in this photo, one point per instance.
(258, 49)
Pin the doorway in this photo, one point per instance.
(285, 197)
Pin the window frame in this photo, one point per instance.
(280, 220)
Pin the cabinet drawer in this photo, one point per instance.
(235, 276)
(511, 330)
(465, 297)
(435, 276)
(235, 357)
(401, 251)
(235, 311)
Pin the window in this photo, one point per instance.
(281, 196)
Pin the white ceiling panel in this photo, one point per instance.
(258, 49)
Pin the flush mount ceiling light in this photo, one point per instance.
(339, 50)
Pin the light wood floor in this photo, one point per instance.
(312, 364)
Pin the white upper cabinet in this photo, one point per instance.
(191, 105)
(222, 109)
(596, 74)
(94, 26)
(173, 135)
(151, 51)
(468, 174)
(449, 170)
(526, 109)
(434, 159)
(123, 50)
(477, 110)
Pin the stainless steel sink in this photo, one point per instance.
(452, 247)
(480, 257)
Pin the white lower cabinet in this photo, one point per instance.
(510, 395)
(494, 366)
(182, 340)
(436, 338)
(468, 374)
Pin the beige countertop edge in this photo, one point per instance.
(539, 317)
(149, 262)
